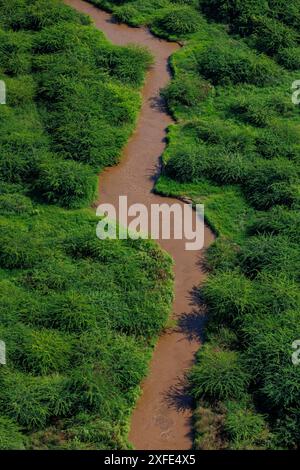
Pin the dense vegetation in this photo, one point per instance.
(78, 326)
(236, 148)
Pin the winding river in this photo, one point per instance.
(162, 419)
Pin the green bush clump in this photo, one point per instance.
(53, 275)
(128, 64)
(179, 21)
(289, 58)
(251, 112)
(269, 357)
(11, 437)
(268, 252)
(30, 401)
(229, 296)
(226, 167)
(186, 90)
(69, 312)
(270, 182)
(278, 141)
(126, 14)
(270, 35)
(226, 64)
(240, 15)
(221, 255)
(20, 90)
(218, 375)
(278, 220)
(18, 248)
(245, 428)
(68, 183)
(15, 57)
(44, 351)
(184, 165)
(15, 204)
(18, 14)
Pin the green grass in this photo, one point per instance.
(235, 147)
(79, 329)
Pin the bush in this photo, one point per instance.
(38, 14)
(15, 55)
(289, 57)
(69, 312)
(271, 182)
(11, 437)
(184, 165)
(252, 112)
(18, 248)
(278, 220)
(70, 184)
(186, 90)
(128, 64)
(229, 296)
(231, 64)
(20, 91)
(15, 204)
(218, 375)
(245, 428)
(126, 14)
(31, 401)
(179, 21)
(268, 252)
(268, 355)
(271, 35)
(278, 141)
(43, 352)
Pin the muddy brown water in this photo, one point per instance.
(162, 419)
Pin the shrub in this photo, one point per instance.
(43, 352)
(252, 112)
(289, 57)
(18, 248)
(209, 429)
(11, 437)
(15, 55)
(222, 255)
(127, 64)
(179, 21)
(269, 357)
(39, 14)
(271, 182)
(278, 220)
(218, 375)
(232, 64)
(15, 204)
(20, 91)
(229, 296)
(53, 275)
(70, 184)
(226, 167)
(31, 401)
(184, 165)
(186, 90)
(69, 312)
(278, 141)
(245, 428)
(126, 14)
(271, 35)
(268, 252)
